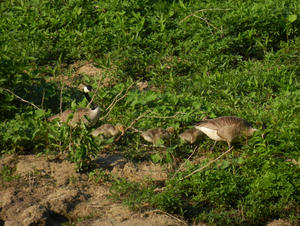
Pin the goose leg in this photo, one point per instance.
(229, 144)
(212, 148)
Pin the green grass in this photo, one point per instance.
(6, 175)
(202, 58)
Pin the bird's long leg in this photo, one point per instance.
(212, 148)
(229, 144)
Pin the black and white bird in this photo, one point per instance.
(89, 116)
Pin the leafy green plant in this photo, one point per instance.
(26, 133)
(76, 142)
(200, 58)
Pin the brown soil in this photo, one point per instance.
(279, 222)
(83, 68)
(50, 192)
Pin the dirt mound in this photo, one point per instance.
(138, 172)
(90, 70)
(19, 207)
(50, 192)
(279, 222)
(81, 68)
(61, 172)
(145, 219)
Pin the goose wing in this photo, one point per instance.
(209, 124)
(229, 132)
(62, 116)
(220, 122)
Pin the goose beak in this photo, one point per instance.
(121, 129)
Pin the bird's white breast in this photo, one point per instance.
(211, 133)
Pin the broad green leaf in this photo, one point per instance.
(39, 113)
(182, 4)
(292, 18)
(156, 158)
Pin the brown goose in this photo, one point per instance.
(191, 135)
(154, 135)
(90, 116)
(108, 130)
(226, 128)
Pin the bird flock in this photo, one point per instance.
(225, 128)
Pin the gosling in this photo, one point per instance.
(156, 134)
(108, 130)
(191, 135)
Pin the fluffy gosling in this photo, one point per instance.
(108, 130)
(154, 135)
(191, 135)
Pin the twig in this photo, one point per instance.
(205, 20)
(43, 99)
(164, 117)
(60, 110)
(98, 87)
(114, 100)
(209, 24)
(112, 105)
(20, 98)
(185, 161)
(169, 215)
(203, 10)
(137, 119)
(133, 122)
(198, 170)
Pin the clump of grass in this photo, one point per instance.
(7, 175)
(99, 176)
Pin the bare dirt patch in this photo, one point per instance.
(82, 68)
(279, 222)
(51, 192)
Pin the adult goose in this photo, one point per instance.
(89, 116)
(226, 128)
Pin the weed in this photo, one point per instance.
(6, 175)
(99, 176)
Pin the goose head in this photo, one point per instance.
(85, 88)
